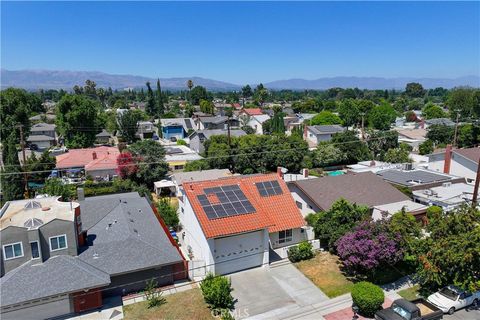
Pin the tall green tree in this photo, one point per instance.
(351, 146)
(278, 125)
(466, 101)
(151, 106)
(78, 120)
(159, 98)
(11, 179)
(325, 118)
(349, 112)
(197, 94)
(432, 111)
(246, 93)
(128, 124)
(382, 116)
(151, 161)
(414, 90)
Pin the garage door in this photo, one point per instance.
(239, 252)
(44, 309)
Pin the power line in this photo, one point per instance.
(207, 158)
(225, 156)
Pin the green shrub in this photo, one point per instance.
(216, 291)
(303, 251)
(368, 297)
(154, 297)
(181, 142)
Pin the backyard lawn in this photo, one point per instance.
(324, 271)
(182, 305)
(410, 293)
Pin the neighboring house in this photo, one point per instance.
(211, 123)
(146, 130)
(103, 137)
(417, 178)
(177, 128)
(316, 134)
(251, 112)
(99, 162)
(61, 258)
(43, 135)
(231, 223)
(373, 166)
(43, 116)
(448, 196)
(173, 187)
(458, 162)
(177, 156)
(256, 122)
(383, 211)
(412, 137)
(199, 137)
(365, 188)
(137, 105)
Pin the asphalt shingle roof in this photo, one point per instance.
(361, 188)
(325, 129)
(472, 154)
(57, 275)
(217, 132)
(127, 238)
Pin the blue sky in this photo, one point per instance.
(244, 42)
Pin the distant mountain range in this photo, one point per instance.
(49, 79)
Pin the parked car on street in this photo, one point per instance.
(452, 298)
(402, 309)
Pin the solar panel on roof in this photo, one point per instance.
(231, 201)
(188, 123)
(269, 188)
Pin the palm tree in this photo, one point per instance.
(190, 86)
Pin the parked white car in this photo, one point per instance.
(451, 298)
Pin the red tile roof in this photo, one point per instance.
(91, 158)
(253, 111)
(277, 212)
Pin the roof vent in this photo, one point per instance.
(32, 204)
(45, 208)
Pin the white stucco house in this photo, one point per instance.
(457, 162)
(230, 224)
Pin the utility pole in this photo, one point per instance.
(22, 143)
(475, 189)
(456, 129)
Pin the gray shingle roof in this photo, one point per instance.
(43, 127)
(57, 275)
(216, 132)
(412, 177)
(39, 137)
(361, 188)
(326, 129)
(128, 238)
(440, 121)
(104, 133)
(214, 120)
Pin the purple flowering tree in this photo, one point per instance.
(368, 247)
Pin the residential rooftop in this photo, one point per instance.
(255, 206)
(204, 175)
(362, 188)
(33, 213)
(414, 177)
(79, 158)
(326, 129)
(448, 195)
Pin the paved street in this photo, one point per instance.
(464, 315)
(274, 293)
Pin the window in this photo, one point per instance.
(299, 204)
(58, 242)
(285, 236)
(35, 250)
(12, 251)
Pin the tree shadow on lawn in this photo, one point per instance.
(389, 277)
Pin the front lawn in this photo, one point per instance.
(410, 293)
(182, 305)
(324, 271)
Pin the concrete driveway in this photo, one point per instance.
(276, 292)
(464, 314)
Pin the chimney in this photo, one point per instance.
(94, 155)
(448, 159)
(80, 194)
(279, 172)
(305, 173)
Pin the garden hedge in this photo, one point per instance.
(368, 297)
